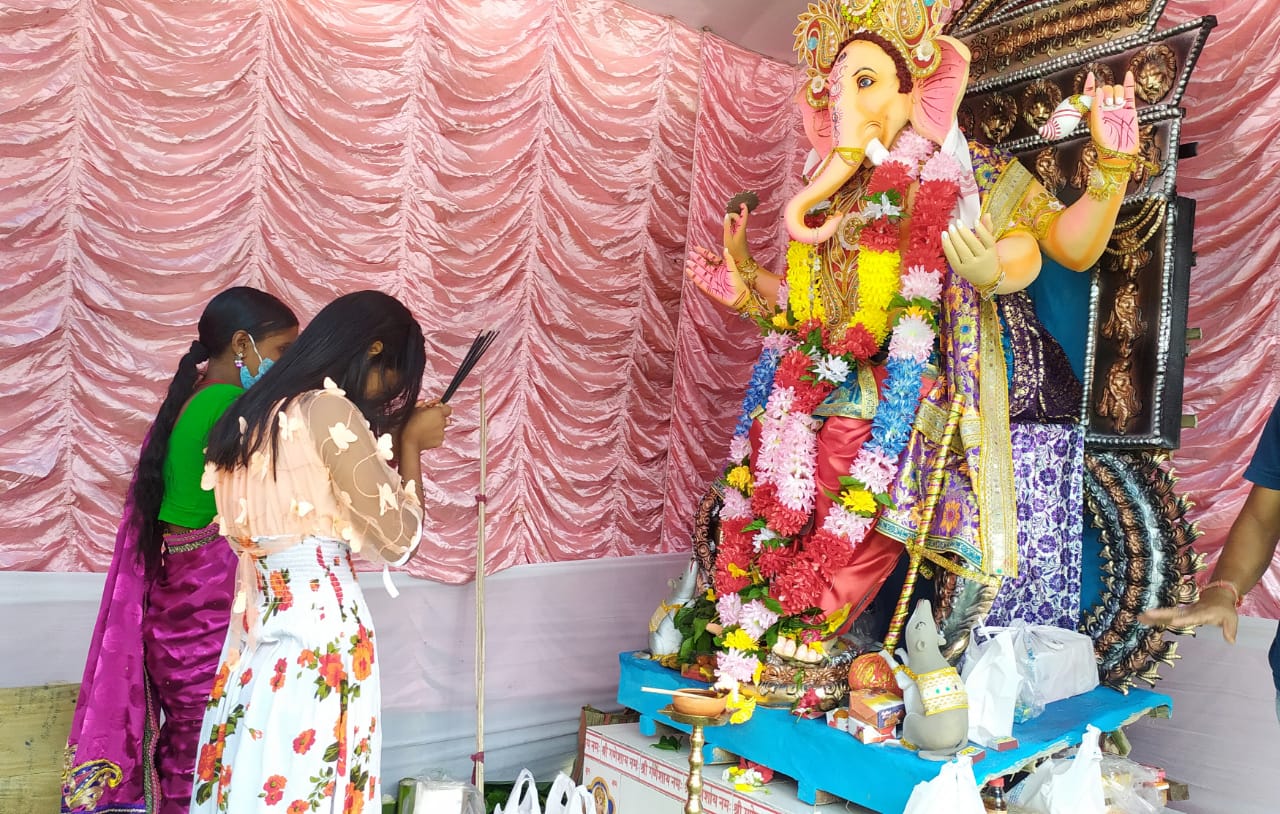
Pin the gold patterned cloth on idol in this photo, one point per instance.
(940, 690)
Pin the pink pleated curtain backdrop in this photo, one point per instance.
(524, 166)
(538, 166)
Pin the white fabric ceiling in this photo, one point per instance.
(763, 26)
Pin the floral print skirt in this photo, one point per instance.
(292, 727)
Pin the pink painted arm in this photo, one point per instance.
(1078, 236)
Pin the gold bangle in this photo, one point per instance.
(1106, 152)
(740, 304)
(750, 270)
(988, 290)
(1105, 181)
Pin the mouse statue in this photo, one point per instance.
(937, 721)
(664, 639)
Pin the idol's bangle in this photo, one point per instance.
(750, 270)
(1106, 180)
(1108, 154)
(740, 304)
(1227, 585)
(988, 290)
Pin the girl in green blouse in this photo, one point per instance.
(167, 600)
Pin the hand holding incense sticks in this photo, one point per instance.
(478, 347)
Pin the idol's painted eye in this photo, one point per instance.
(865, 81)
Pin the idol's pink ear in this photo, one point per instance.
(817, 124)
(936, 98)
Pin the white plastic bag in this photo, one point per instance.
(1055, 663)
(558, 798)
(582, 802)
(434, 792)
(1062, 661)
(953, 791)
(1066, 786)
(524, 797)
(992, 680)
(567, 798)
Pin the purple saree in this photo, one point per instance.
(151, 662)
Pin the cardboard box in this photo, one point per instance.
(973, 752)
(590, 717)
(1004, 744)
(876, 709)
(868, 734)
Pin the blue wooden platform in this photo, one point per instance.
(881, 777)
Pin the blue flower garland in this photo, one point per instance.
(757, 395)
(891, 427)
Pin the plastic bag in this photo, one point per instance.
(1030, 703)
(1062, 662)
(1130, 787)
(435, 793)
(524, 797)
(1066, 786)
(953, 791)
(566, 797)
(1055, 663)
(992, 681)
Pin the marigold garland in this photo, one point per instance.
(760, 555)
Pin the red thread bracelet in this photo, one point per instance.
(1230, 586)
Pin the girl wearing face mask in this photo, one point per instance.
(168, 594)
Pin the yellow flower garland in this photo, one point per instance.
(800, 283)
(740, 640)
(878, 279)
(877, 283)
(859, 501)
(740, 478)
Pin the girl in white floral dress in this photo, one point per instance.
(300, 468)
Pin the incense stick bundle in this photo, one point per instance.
(478, 347)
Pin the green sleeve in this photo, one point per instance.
(185, 503)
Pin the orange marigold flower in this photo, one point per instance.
(307, 658)
(278, 582)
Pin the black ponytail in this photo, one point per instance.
(236, 309)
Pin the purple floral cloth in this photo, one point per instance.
(1049, 478)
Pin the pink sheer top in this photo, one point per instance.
(332, 479)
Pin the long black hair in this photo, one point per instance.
(335, 345)
(237, 309)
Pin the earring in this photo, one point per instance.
(239, 359)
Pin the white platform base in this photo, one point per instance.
(639, 779)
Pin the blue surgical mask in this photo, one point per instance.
(248, 379)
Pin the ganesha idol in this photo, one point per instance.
(907, 399)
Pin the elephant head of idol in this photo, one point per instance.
(868, 79)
